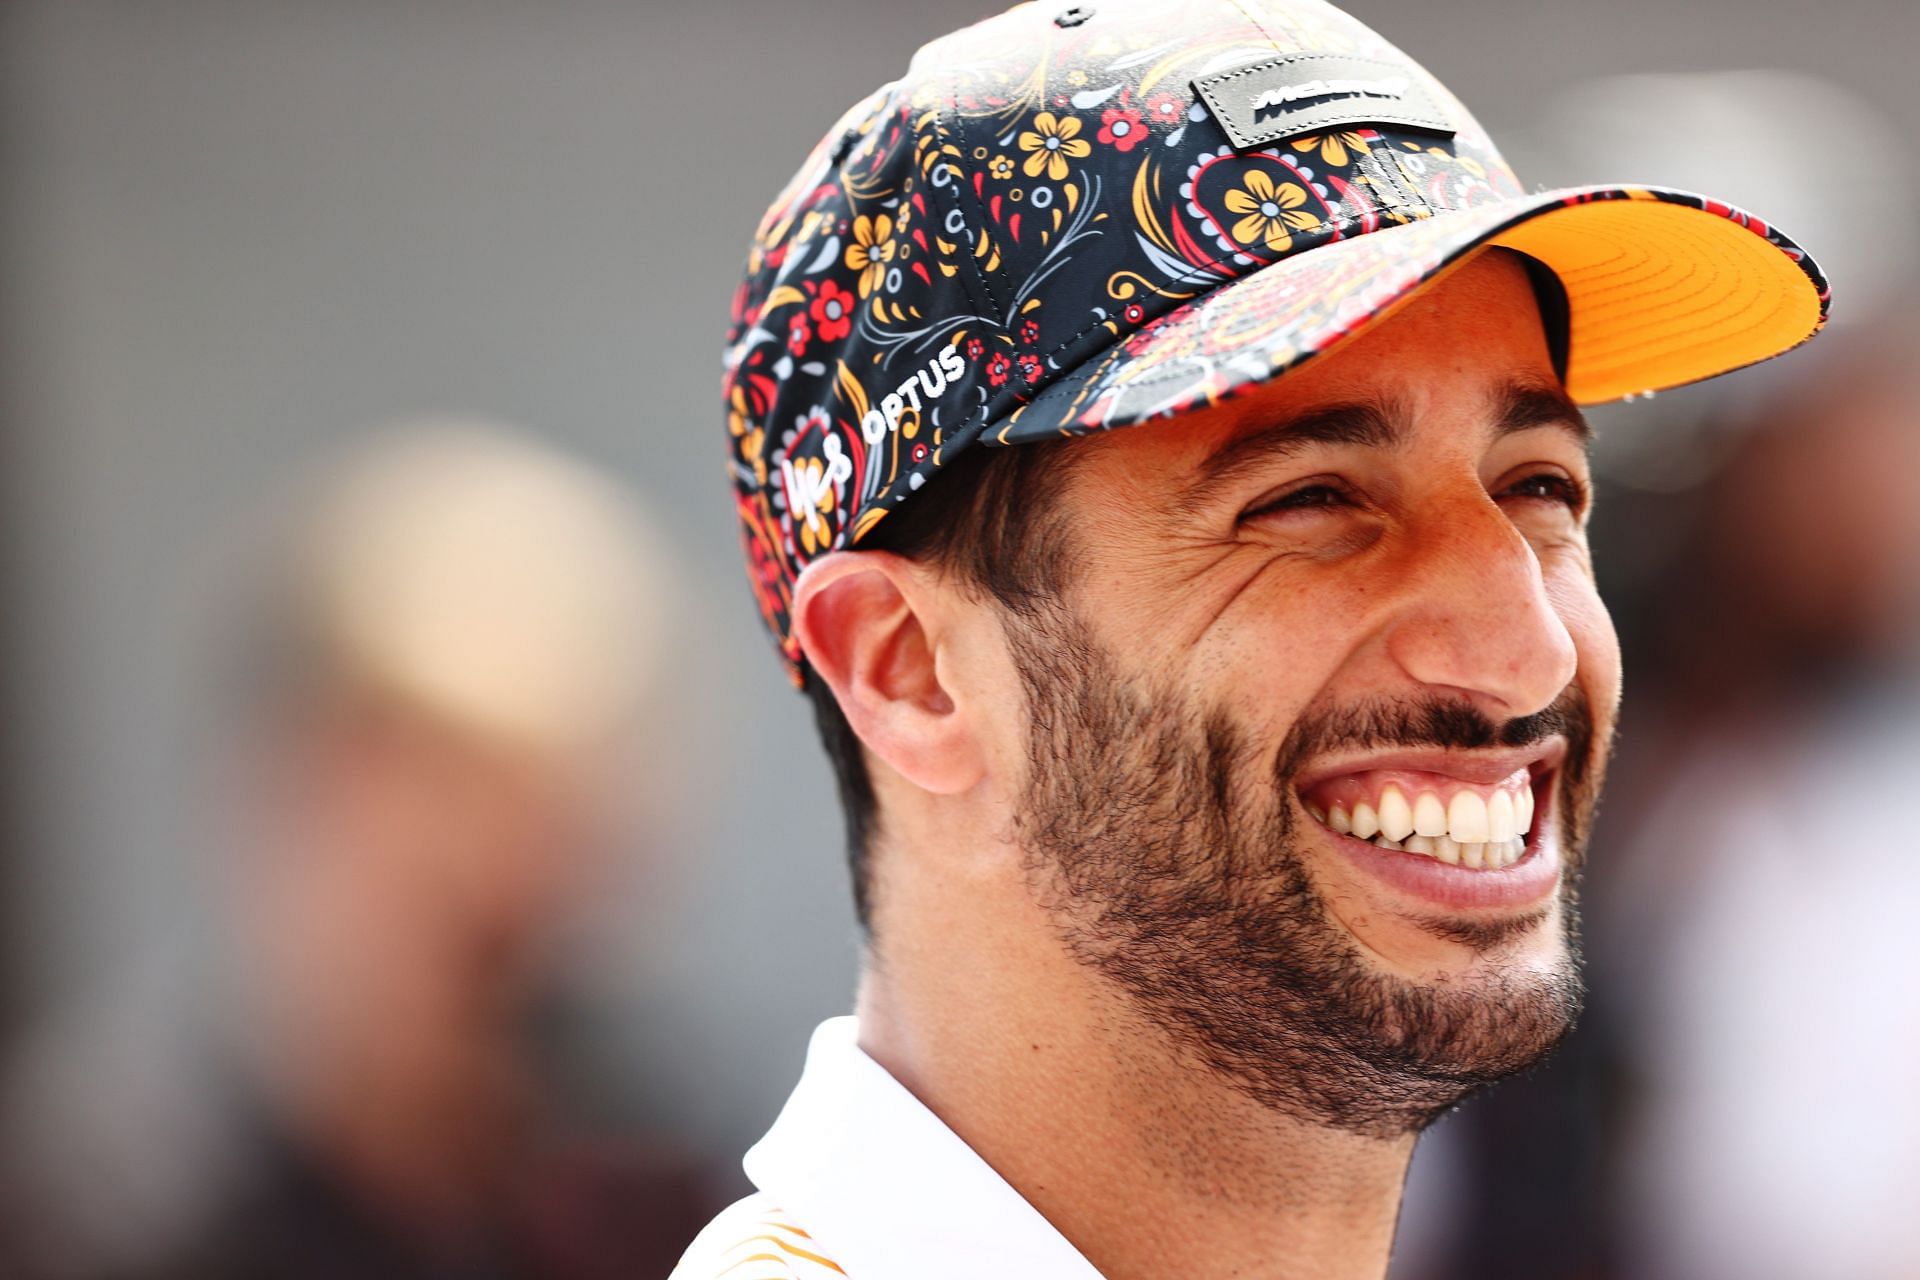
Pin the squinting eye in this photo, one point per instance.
(1317, 495)
(1552, 487)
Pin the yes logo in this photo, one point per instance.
(810, 485)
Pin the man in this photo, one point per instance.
(448, 645)
(1216, 787)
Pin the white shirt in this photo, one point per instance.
(858, 1178)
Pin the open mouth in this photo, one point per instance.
(1482, 823)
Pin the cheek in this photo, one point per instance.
(1269, 653)
(1571, 590)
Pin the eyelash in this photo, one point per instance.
(1565, 490)
(1294, 500)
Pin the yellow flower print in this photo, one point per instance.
(739, 416)
(815, 533)
(1052, 143)
(1333, 147)
(752, 444)
(1272, 214)
(871, 250)
(1001, 167)
(809, 478)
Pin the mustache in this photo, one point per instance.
(1449, 724)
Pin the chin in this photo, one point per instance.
(1469, 951)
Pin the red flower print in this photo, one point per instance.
(1031, 369)
(832, 310)
(920, 452)
(975, 348)
(798, 337)
(1030, 331)
(1121, 128)
(1134, 313)
(765, 567)
(1167, 108)
(998, 368)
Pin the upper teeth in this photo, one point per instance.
(1470, 830)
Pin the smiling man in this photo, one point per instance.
(1216, 787)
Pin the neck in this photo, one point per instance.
(1132, 1151)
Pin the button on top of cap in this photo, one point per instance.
(842, 147)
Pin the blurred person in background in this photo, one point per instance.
(1760, 913)
(448, 663)
(1739, 1101)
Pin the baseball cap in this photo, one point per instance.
(1068, 219)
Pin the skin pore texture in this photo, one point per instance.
(1118, 946)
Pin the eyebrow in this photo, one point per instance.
(1380, 424)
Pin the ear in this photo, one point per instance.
(868, 623)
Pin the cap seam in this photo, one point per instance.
(994, 309)
(1256, 24)
(1106, 357)
(963, 195)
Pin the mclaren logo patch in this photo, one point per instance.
(1263, 102)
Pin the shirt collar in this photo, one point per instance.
(887, 1190)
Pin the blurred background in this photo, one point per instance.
(380, 893)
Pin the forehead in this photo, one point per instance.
(1443, 369)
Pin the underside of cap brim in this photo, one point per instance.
(1662, 294)
(1663, 288)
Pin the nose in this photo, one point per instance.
(1477, 620)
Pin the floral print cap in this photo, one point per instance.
(1064, 220)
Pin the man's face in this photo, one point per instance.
(1358, 594)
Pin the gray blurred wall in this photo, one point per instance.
(234, 230)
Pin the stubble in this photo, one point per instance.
(1162, 842)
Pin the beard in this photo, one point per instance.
(1164, 850)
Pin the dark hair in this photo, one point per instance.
(989, 519)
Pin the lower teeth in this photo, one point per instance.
(1490, 855)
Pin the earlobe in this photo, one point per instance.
(869, 626)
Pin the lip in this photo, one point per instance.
(1481, 768)
(1526, 884)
